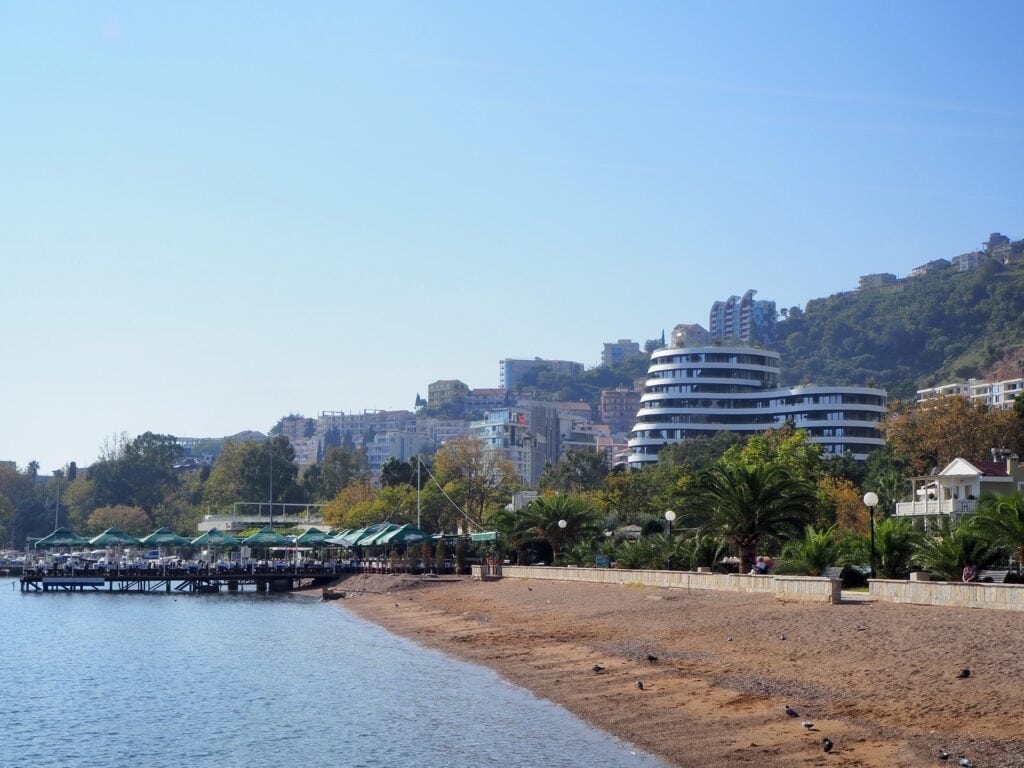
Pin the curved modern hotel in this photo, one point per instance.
(694, 391)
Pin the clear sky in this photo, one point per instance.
(215, 214)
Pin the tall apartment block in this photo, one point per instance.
(617, 352)
(743, 320)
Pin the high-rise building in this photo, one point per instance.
(742, 319)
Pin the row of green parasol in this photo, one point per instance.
(164, 537)
(380, 534)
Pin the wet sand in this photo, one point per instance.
(878, 680)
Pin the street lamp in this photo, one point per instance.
(871, 501)
(56, 510)
(670, 516)
(562, 524)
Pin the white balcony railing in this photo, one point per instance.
(947, 507)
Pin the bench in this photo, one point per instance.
(993, 577)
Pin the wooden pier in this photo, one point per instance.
(266, 579)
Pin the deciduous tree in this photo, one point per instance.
(474, 476)
(931, 433)
(131, 520)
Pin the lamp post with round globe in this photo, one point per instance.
(670, 517)
(871, 501)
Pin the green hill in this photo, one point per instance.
(919, 332)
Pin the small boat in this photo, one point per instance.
(332, 594)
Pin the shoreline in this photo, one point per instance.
(878, 680)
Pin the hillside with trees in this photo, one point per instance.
(920, 332)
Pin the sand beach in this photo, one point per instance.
(880, 681)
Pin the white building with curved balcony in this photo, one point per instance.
(698, 391)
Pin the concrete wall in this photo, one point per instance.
(814, 588)
(954, 594)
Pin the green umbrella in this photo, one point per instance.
(378, 537)
(216, 538)
(312, 536)
(404, 534)
(347, 538)
(165, 537)
(62, 537)
(113, 537)
(267, 537)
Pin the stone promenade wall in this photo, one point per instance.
(814, 588)
(1003, 597)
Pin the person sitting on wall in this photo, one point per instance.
(970, 572)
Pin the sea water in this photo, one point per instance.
(248, 679)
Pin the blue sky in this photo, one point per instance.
(214, 214)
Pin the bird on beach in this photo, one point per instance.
(651, 658)
(640, 684)
(943, 754)
(807, 724)
(965, 762)
(963, 674)
(599, 668)
(826, 744)
(782, 637)
(791, 712)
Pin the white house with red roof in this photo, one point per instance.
(955, 490)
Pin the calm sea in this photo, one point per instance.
(156, 680)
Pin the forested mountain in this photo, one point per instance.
(920, 332)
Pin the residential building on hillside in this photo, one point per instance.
(355, 426)
(584, 436)
(394, 444)
(617, 408)
(511, 371)
(689, 335)
(935, 265)
(440, 431)
(308, 450)
(527, 435)
(742, 319)
(480, 400)
(295, 427)
(877, 280)
(966, 262)
(698, 391)
(996, 244)
(446, 391)
(956, 488)
(994, 394)
(619, 351)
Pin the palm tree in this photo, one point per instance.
(812, 554)
(702, 551)
(543, 515)
(1000, 522)
(633, 554)
(954, 544)
(752, 505)
(895, 545)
